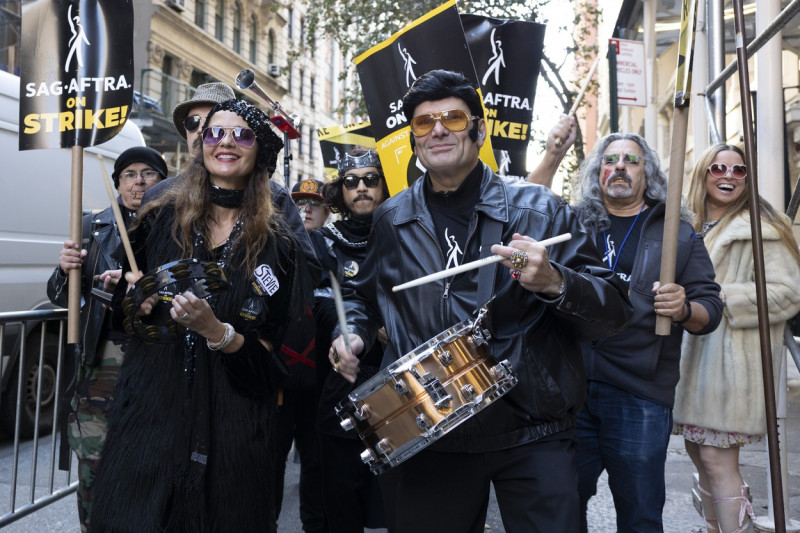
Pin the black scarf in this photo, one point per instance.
(225, 197)
(351, 233)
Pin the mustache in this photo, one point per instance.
(364, 197)
(623, 175)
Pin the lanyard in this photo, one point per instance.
(621, 246)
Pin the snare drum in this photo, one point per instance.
(425, 394)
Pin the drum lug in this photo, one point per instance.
(436, 391)
(481, 336)
(446, 358)
(368, 456)
(347, 424)
(502, 369)
(362, 412)
(400, 387)
(383, 446)
(468, 391)
(423, 422)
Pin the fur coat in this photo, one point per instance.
(721, 385)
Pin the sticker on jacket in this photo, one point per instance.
(350, 269)
(266, 279)
(251, 308)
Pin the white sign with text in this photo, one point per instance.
(631, 81)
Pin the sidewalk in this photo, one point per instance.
(680, 515)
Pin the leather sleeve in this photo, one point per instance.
(595, 301)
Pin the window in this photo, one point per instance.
(300, 142)
(237, 28)
(253, 38)
(166, 68)
(312, 90)
(289, 78)
(271, 47)
(302, 79)
(200, 14)
(219, 21)
(290, 23)
(302, 31)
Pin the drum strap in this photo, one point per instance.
(490, 234)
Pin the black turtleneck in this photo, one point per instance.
(451, 212)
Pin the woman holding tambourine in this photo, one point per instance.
(188, 446)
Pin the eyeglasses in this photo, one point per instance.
(301, 203)
(628, 159)
(147, 175)
(350, 181)
(453, 120)
(193, 122)
(244, 137)
(720, 170)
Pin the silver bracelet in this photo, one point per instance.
(230, 333)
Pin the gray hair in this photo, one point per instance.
(590, 206)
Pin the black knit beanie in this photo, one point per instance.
(139, 154)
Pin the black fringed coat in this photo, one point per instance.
(189, 443)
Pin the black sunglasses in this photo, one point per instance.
(192, 122)
(350, 181)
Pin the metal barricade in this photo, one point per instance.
(30, 486)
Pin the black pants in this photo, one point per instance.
(536, 487)
(297, 421)
(353, 496)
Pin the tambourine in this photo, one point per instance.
(203, 278)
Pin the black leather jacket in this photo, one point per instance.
(100, 240)
(540, 337)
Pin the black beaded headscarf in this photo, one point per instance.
(269, 144)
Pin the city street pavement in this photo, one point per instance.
(680, 515)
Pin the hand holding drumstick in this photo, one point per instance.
(578, 98)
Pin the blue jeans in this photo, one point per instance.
(627, 436)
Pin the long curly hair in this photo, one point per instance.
(590, 204)
(191, 196)
(698, 194)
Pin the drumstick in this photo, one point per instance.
(123, 232)
(473, 265)
(339, 302)
(578, 99)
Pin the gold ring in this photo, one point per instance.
(184, 316)
(519, 259)
(335, 356)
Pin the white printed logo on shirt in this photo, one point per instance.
(454, 252)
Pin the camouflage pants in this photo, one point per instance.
(86, 429)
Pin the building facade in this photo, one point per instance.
(181, 44)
